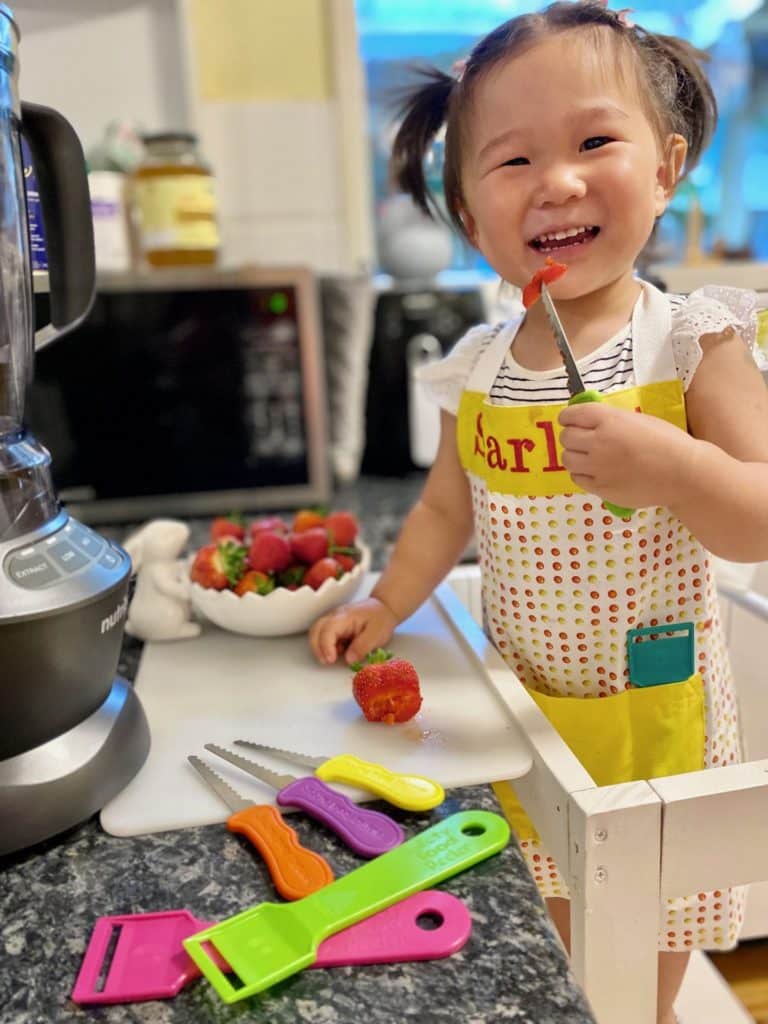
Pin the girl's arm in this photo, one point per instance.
(714, 479)
(434, 534)
(723, 499)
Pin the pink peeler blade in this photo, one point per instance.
(148, 960)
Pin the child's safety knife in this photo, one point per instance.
(368, 833)
(579, 393)
(411, 792)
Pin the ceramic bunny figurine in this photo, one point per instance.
(160, 608)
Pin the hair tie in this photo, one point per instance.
(622, 16)
(458, 68)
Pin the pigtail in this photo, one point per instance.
(423, 111)
(680, 80)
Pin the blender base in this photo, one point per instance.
(62, 782)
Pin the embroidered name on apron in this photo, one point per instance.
(516, 449)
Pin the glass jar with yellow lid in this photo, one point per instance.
(174, 203)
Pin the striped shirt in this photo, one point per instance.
(608, 368)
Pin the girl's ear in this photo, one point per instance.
(470, 227)
(669, 170)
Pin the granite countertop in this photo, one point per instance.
(512, 968)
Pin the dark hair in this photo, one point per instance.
(679, 97)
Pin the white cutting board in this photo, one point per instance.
(221, 687)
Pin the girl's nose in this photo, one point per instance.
(558, 184)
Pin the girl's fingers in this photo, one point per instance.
(574, 439)
(337, 632)
(368, 639)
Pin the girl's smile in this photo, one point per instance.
(563, 162)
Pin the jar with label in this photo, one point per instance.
(174, 203)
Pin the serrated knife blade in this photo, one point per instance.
(258, 771)
(304, 760)
(575, 383)
(222, 789)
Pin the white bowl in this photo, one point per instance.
(281, 612)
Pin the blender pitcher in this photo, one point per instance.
(73, 733)
(27, 497)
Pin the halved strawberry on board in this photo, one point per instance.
(218, 566)
(386, 688)
(548, 273)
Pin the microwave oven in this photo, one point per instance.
(187, 392)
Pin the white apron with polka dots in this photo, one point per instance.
(563, 580)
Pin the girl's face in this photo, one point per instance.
(557, 146)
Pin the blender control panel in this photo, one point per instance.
(62, 554)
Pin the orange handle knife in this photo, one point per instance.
(295, 870)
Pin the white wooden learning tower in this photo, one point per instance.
(625, 848)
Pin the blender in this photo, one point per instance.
(71, 733)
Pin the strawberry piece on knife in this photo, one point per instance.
(548, 273)
(386, 688)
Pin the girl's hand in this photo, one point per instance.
(355, 628)
(628, 458)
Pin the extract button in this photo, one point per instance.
(31, 570)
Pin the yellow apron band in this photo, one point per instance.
(516, 448)
(642, 733)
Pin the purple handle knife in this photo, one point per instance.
(368, 833)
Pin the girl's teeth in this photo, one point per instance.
(549, 240)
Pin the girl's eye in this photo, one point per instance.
(516, 161)
(595, 142)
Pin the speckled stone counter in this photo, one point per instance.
(512, 968)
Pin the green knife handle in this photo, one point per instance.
(438, 852)
(270, 942)
(594, 396)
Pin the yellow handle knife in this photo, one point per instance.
(411, 792)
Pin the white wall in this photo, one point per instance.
(293, 176)
(97, 60)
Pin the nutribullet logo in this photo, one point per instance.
(117, 616)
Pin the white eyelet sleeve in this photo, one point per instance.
(444, 381)
(712, 310)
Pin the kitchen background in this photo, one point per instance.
(323, 290)
(292, 109)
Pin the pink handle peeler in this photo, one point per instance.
(135, 957)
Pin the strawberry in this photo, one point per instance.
(292, 577)
(218, 566)
(346, 557)
(386, 689)
(269, 552)
(342, 528)
(548, 273)
(227, 526)
(272, 523)
(320, 571)
(310, 545)
(254, 582)
(307, 518)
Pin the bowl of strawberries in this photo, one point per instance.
(274, 578)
